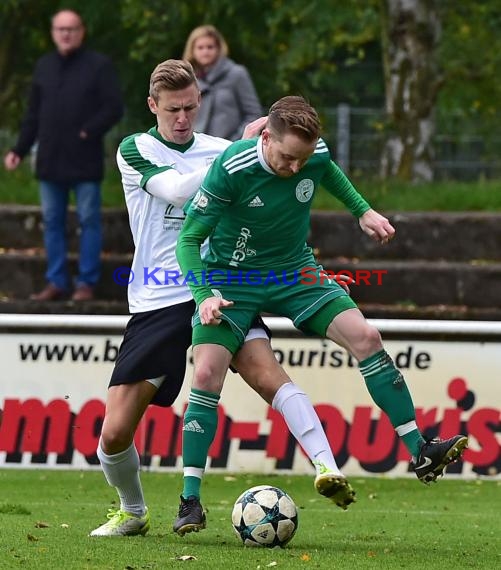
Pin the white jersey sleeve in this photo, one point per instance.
(158, 177)
(175, 188)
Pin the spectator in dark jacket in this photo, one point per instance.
(75, 99)
(229, 99)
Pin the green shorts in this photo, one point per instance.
(310, 303)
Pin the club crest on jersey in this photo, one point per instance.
(304, 190)
(200, 201)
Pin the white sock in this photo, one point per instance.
(122, 472)
(303, 423)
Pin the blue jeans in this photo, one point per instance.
(54, 200)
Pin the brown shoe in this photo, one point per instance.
(49, 293)
(83, 292)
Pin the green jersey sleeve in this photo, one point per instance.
(338, 184)
(193, 234)
(202, 216)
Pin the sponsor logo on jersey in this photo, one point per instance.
(255, 202)
(304, 190)
(173, 222)
(200, 201)
(240, 253)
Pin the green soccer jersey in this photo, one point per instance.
(260, 221)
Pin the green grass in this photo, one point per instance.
(21, 187)
(392, 196)
(45, 517)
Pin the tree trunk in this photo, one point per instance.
(410, 33)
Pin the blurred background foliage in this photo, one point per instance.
(328, 51)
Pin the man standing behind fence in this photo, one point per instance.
(75, 99)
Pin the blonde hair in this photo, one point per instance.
(171, 75)
(201, 32)
(294, 114)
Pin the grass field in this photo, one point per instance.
(21, 187)
(45, 517)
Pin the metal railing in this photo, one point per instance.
(282, 325)
(465, 148)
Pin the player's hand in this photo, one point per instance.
(11, 160)
(254, 129)
(376, 226)
(344, 281)
(210, 310)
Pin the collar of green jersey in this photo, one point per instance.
(179, 147)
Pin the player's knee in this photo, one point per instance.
(115, 439)
(264, 381)
(370, 341)
(207, 378)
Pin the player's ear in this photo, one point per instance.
(152, 105)
(265, 136)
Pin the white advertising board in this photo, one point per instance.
(54, 386)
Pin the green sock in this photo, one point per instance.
(389, 391)
(199, 429)
(191, 486)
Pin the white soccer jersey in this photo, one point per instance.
(144, 159)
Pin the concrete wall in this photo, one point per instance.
(441, 260)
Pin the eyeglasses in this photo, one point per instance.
(69, 30)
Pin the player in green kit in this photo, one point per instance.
(254, 205)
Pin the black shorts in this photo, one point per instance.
(155, 345)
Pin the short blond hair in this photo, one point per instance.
(294, 114)
(171, 75)
(201, 32)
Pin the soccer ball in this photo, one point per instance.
(265, 516)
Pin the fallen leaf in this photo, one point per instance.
(32, 538)
(40, 524)
(186, 557)
(305, 557)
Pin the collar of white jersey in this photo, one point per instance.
(260, 155)
(174, 146)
